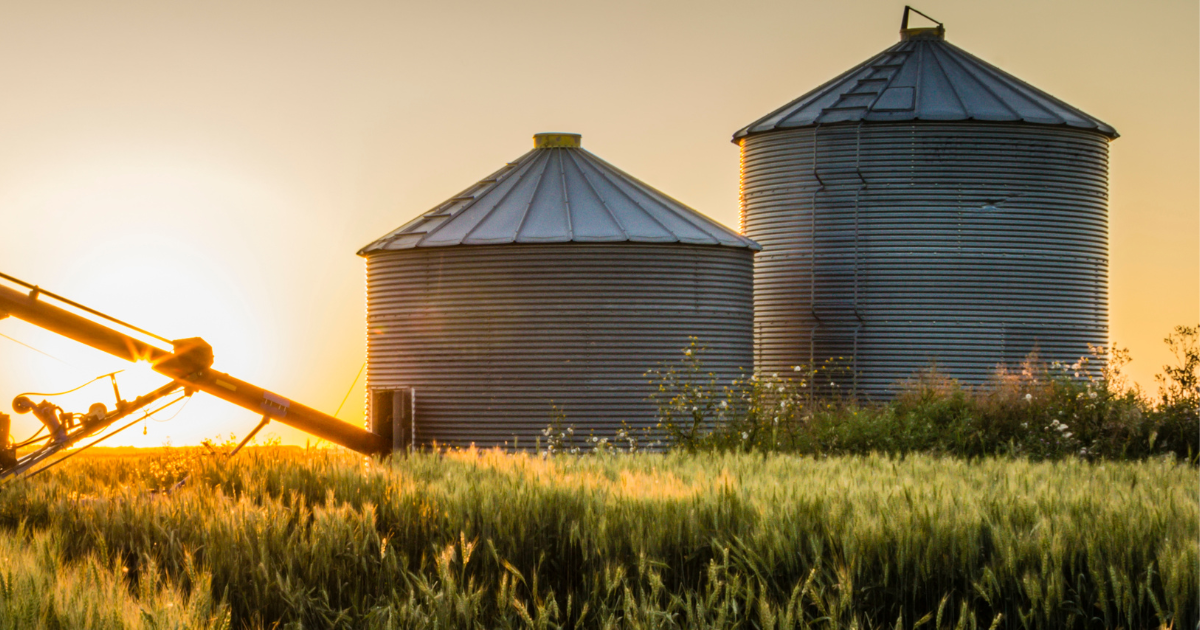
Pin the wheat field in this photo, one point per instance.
(282, 537)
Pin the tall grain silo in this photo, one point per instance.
(557, 280)
(925, 207)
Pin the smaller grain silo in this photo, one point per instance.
(557, 281)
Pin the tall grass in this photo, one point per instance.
(289, 538)
(39, 588)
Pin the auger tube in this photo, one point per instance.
(190, 364)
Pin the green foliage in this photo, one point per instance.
(1040, 411)
(559, 435)
(1177, 417)
(763, 412)
(689, 400)
(290, 538)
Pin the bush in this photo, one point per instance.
(1176, 417)
(763, 412)
(1040, 411)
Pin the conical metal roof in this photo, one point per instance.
(924, 77)
(558, 193)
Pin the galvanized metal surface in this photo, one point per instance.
(492, 336)
(925, 78)
(907, 244)
(558, 193)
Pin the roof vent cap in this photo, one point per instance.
(928, 32)
(556, 140)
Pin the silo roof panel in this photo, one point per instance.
(549, 215)
(558, 193)
(806, 114)
(634, 220)
(686, 225)
(941, 98)
(503, 224)
(591, 219)
(975, 99)
(469, 215)
(945, 83)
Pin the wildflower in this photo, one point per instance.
(745, 435)
(1067, 435)
(724, 404)
(1092, 395)
(796, 368)
(687, 353)
(570, 430)
(1028, 397)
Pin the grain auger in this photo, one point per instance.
(187, 362)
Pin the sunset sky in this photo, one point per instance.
(210, 169)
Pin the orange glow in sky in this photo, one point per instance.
(210, 169)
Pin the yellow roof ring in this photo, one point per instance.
(934, 32)
(556, 140)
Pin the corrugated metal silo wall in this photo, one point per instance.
(901, 245)
(490, 335)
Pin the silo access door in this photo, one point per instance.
(393, 416)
